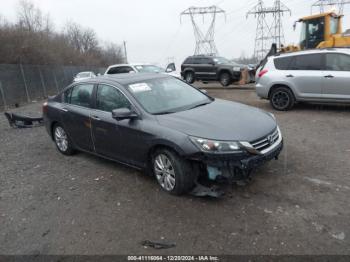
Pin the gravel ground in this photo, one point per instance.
(52, 204)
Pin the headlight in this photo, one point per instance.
(236, 68)
(213, 146)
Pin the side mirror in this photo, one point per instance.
(123, 113)
(170, 68)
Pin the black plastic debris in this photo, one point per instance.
(157, 245)
(19, 121)
(204, 191)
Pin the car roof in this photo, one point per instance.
(127, 78)
(313, 51)
(130, 64)
(85, 72)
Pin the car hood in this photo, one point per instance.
(221, 120)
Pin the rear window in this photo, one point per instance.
(283, 63)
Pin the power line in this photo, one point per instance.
(321, 4)
(266, 34)
(204, 42)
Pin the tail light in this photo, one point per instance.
(262, 72)
(45, 106)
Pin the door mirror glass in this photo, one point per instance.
(123, 113)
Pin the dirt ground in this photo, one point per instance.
(299, 204)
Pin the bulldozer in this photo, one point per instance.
(320, 31)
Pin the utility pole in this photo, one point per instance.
(322, 4)
(205, 44)
(125, 53)
(266, 34)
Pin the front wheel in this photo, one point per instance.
(282, 98)
(174, 174)
(189, 77)
(225, 79)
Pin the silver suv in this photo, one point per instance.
(311, 76)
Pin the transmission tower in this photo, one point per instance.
(205, 44)
(339, 4)
(278, 11)
(265, 34)
(263, 37)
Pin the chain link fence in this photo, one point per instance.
(26, 83)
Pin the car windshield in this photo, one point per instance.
(149, 69)
(222, 60)
(84, 74)
(167, 95)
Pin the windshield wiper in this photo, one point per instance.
(165, 113)
(201, 104)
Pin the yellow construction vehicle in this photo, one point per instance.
(320, 31)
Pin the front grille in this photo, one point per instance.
(267, 141)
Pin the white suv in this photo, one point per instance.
(312, 76)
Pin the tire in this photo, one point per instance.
(174, 174)
(62, 141)
(282, 98)
(225, 79)
(189, 77)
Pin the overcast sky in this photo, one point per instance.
(152, 28)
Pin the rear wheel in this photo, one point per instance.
(174, 174)
(282, 98)
(62, 141)
(225, 79)
(189, 77)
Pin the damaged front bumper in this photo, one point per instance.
(238, 166)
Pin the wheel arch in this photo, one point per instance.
(277, 85)
(52, 125)
(161, 145)
(224, 70)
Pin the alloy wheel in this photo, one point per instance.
(281, 100)
(189, 78)
(164, 172)
(225, 79)
(61, 139)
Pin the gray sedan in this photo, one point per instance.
(164, 126)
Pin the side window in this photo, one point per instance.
(110, 98)
(189, 60)
(67, 95)
(206, 61)
(315, 32)
(337, 62)
(307, 62)
(196, 60)
(81, 95)
(283, 63)
(120, 70)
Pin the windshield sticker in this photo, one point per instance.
(140, 87)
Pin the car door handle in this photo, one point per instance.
(329, 76)
(289, 76)
(64, 109)
(96, 118)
